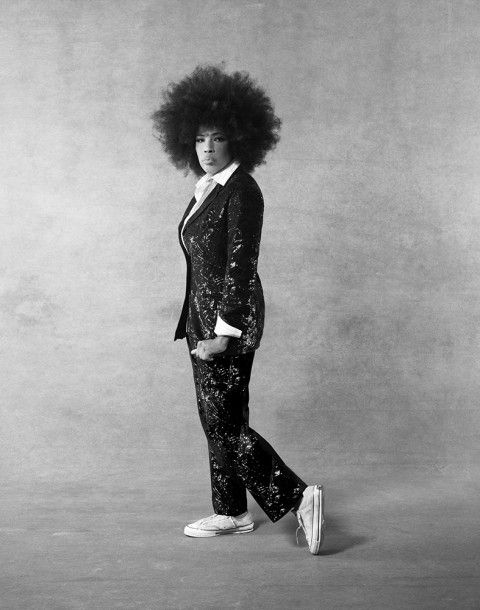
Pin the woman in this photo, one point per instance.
(221, 126)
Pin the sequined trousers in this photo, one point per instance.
(240, 458)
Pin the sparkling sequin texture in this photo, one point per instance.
(240, 458)
(221, 242)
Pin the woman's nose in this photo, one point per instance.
(208, 145)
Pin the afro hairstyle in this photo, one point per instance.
(212, 98)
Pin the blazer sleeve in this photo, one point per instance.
(244, 218)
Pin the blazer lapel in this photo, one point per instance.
(205, 204)
(180, 226)
(187, 211)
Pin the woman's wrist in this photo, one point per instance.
(223, 340)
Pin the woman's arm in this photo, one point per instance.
(245, 217)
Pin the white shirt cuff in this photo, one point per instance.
(222, 328)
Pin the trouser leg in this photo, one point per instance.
(229, 495)
(239, 457)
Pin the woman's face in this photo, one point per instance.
(212, 150)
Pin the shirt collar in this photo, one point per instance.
(222, 176)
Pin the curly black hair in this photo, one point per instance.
(212, 98)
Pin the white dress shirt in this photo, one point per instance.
(203, 188)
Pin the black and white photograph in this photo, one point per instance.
(240, 305)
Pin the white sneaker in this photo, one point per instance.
(217, 525)
(310, 517)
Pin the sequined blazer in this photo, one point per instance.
(222, 241)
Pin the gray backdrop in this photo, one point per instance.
(370, 253)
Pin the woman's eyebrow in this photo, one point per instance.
(213, 133)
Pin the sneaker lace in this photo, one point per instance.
(300, 527)
(210, 518)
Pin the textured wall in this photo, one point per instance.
(370, 257)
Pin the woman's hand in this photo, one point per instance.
(207, 349)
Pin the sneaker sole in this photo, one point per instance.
(196, 533)
(318, 520)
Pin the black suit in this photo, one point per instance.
(222, 241)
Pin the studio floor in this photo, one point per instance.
(399, 538)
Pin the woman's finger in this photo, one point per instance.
(197, 350)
